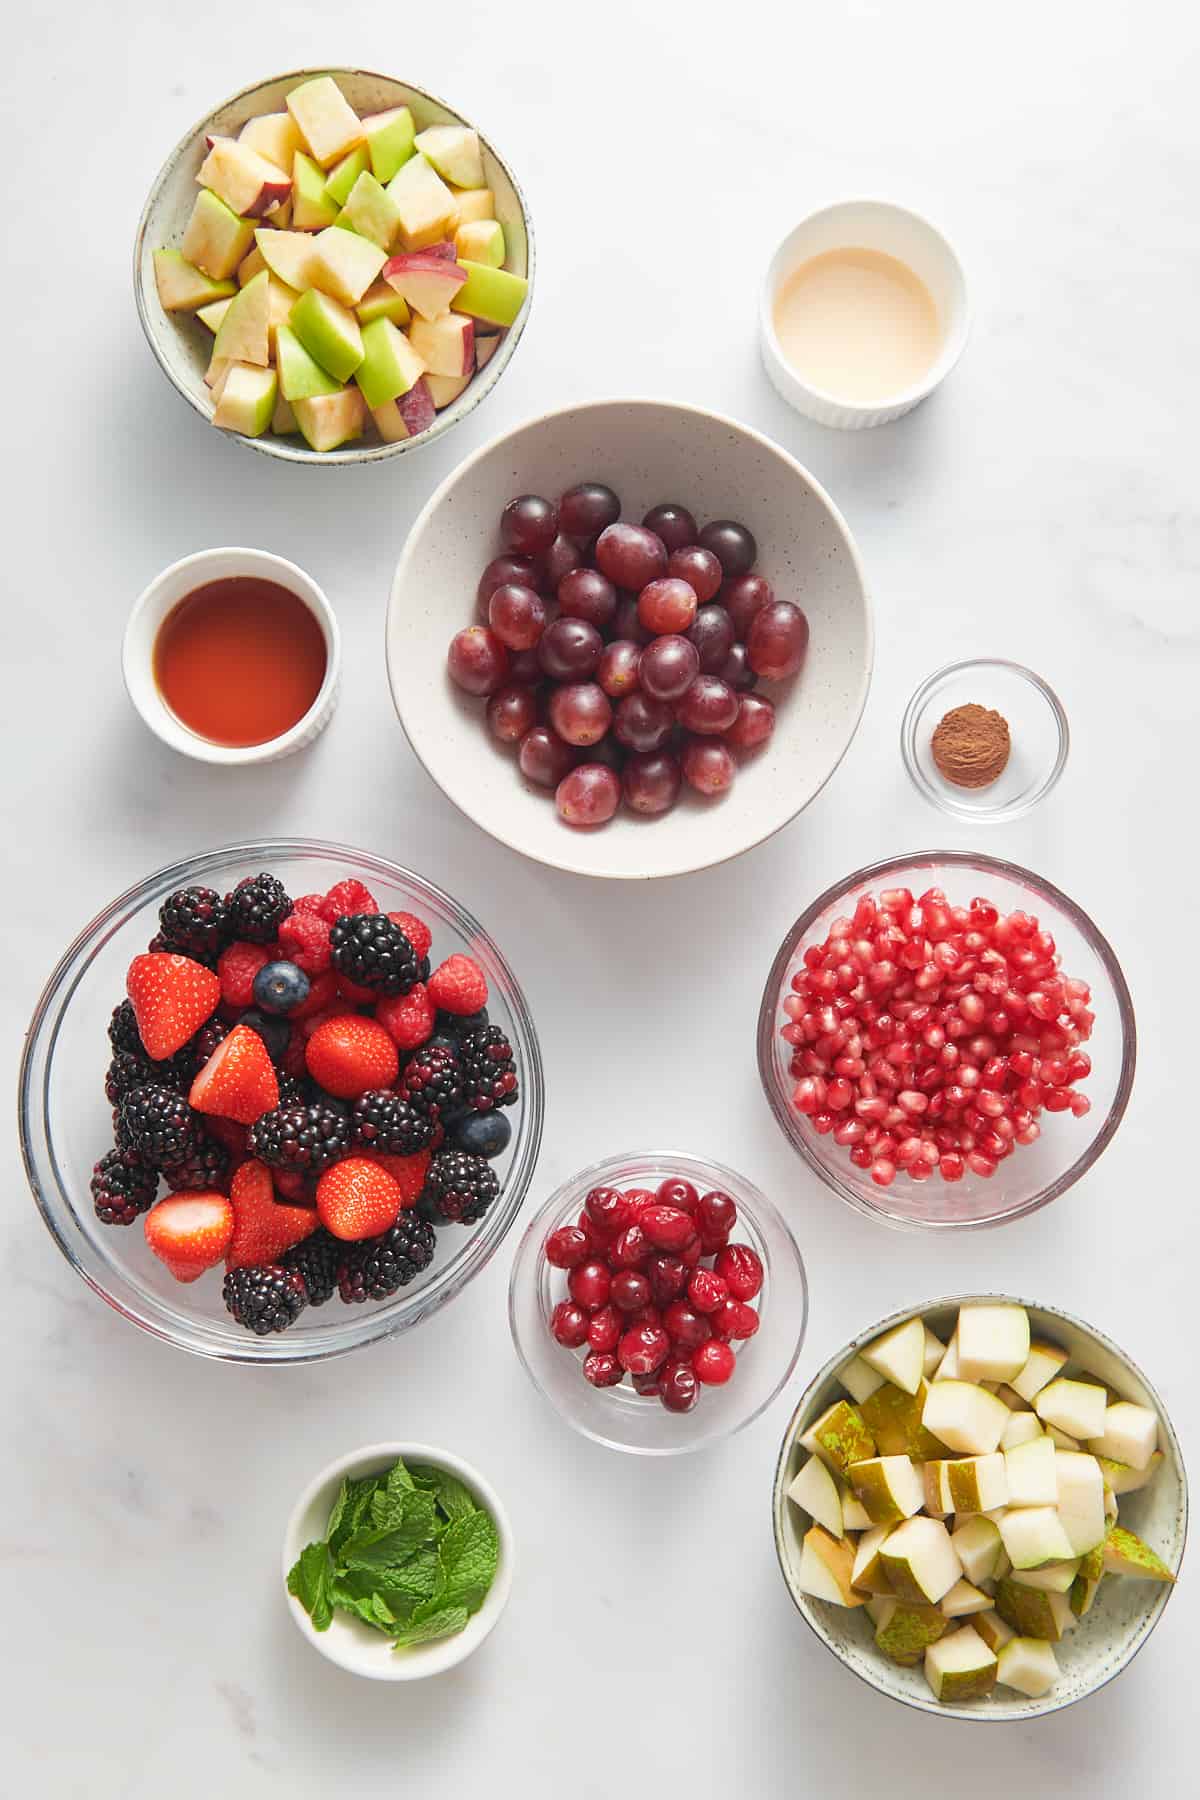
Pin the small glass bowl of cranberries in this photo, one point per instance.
(947, 1040)
(658, 1301)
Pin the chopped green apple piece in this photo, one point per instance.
(390, 366)
(481, 241)
(428, 210)
(977, 1545)
(382, 302)
(1032, 1612)
(313, 206)
(899, 1355)
(372, 212)
(1034, 1536)
(329, 332)
(890, 1488)
(1032, 1476)
(474, 204)
(920, 1561)
(1126, 1554)
(839, 1437)
(455, 153)
(389, 137)
(964, 1417)
(327, 420)
(1130, 1435)
(291, 255)
(1121, 1479)
(300, 377)
(993, 1341)
(1022, 1428)
(867, 1575)
(964, 1598)
(1080, 1500)
(1055, 1578)
(212, 314)
(496, 295)
(216, 239)
(247, 400)
(243, 334)
(446, 346)
(1043, 1363)
(1076, 1407)
(904, 1632)
(327, 122)
(283, 419)
(825, 1567)
(252, 264)
(858, 1378)
(214, 376)
(1029, 1665)
(995, 1631)
(248, 184)
(183, 288)
(345, 264)
(816, 1491)
(342, 177)
(960, 1667)
(273, 135)
(894, 1420)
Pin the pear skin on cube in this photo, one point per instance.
(1124, 1553)
(960, 1667)
(1032, 1612)
(894, 1420)
(906, 1632)
(840, 1437)
(1119, 1478)
(995, 1631)
(867, 1575)
(825, 1568)
(920, 1561)
(889, 1487)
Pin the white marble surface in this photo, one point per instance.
(1043, 505)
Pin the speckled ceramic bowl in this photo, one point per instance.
(1125, 1611)
(649, 451)
(181, 344)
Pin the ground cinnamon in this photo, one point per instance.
(971, 746)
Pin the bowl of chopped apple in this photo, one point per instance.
(334, 266)
(980, 1507)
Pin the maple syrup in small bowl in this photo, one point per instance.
(231, 656)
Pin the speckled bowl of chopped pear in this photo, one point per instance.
(980, 1508)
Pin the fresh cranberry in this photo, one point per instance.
(602, 1369)
(631, 1249)
(668, 1278)
(716, 1218)
(605, 1328)
(707, 1291)
(679, 1388)
(646, 1384)
(569, 1325)
(713, 1363)
(567, 1247)
(692, 1251)
(643, 1349)
(630, 1291)
(679, 1193)
(741, 1269)
(608, 1208)
(589, 1284)
(638, 1199)
(649, 1316)
(667, 1227)
(734, 1319)
(684, 1327)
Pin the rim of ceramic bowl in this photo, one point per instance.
(51, 1190)
(945, 801)
(701, 1170)
(372, 1660)
(1038, 1708)
(268, 444)
(768, 1019)
(442, 493)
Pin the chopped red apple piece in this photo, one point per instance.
(428, 210)
(445, 389)
(313, 206)
(292, 255)
(390, 140)
(416, 407)
(327, 122)
(273, 135)
(216, 239)
(389, 422)
(244, 180)
(428, 282)
(247, 400)
(243, 334)
(182, 288)
(328, 420)
(345, 264)
(485, 349)
(481, 241)
(446, 346)
(455, 154)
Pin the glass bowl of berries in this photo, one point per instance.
(658, 1301)
(280, 1100)
(630, 639)
(947, 1039)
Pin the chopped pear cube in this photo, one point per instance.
(1080, 1500)
(1126, 1554)
(947, 1369)
(919, 1560)
(993, 1342)
(904, 1632)
(867, 1574)
(977, 1484)
(859, 1379)
(1022, 1428)
(327, 122)
(1086, 1584)
(1062, 1440)
(1032, 1476)
(1006, 1392)
(854, 1514)
(894, 1420)
(1042, 1364)
(1130, 1435)
(899, 1355)
(964, 1417)
(960, 1667)
(1033, 1612)
(937, 1488)
(1034, 1536)
(1121, 1479)
(1055, 1578)
(889, 1487)
(1076, 1407)
(839, 1437)
(977, 1544)
(816, 1491)
(995, 1631)
(964, 1597)
(1029, 1665)
(934, 1352)
(825, 1567)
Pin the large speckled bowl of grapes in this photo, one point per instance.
(651, 454)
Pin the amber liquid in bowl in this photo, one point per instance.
(239, 661)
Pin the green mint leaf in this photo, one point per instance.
(369, 1607)
(398, 1477)
(455, 1499)
(469, 1552)
(349, 1509)
(416, 1579)
(310, 1580)
(412, 1525)
(443, 1624)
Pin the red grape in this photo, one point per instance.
(712, 633)
(589, 795)
(630, 555)
(778, 641)
(511, 712)
(585, 510)
(562, 556)
(668, 605)
(737, 671)
(732, 545)
(529, 524)
(707, 766)
(651, 782)
(668, 667)
(710, 706)
(587, 594)
(699, 568)
(517, 615)
(544, 758)
(627, 624)
(477, 660)
(581, 712)
(617, 670)
(673, 523)
(569, 649)
(521, 569)
(744, 596)
(754, 723)
(525, 669)
(643, 724)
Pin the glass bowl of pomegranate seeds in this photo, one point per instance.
(67, 1121)
(947, 1039)
(658, 1301)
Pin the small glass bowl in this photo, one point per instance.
(619, 1417)
(65, 1122)
(1038, 727)
(1034, 1174)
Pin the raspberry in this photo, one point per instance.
(236, 968)
(354, 993)
(408, 1018)
(408, 1172)
(337, 1008)
(348, 1056)
(322, 993)
(347, 897)
(304, 940)
(309, 903)
(458, 985)
(415, 930)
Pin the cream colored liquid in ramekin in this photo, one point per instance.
(858, 324)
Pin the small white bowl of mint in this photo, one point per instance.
(398, 1561)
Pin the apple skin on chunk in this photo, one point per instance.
(329, 332)
(417, 408)
(273, 135)
(343, 175)
(326, 121)
(372, 212)
(243, 333)
(382, 302)
(390, 138)
(495, 295)
(446, 346)
(390, 364)
(300, 377)
(427, 282)
(216, 238)
(485, 349)
(454, 152)
(244, 180)
(313, 206)
(327, 420)
(345, 264)
(247, 400)
(481, 241)
(183, 288)
(428, 210)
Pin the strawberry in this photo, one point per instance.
(407, 1018)
(458, 985)
(415, 930)
(172, 996)
(357, 1198)
(263, 1227)
(238, 1081)
(408, 1172)
(237, 966)
(190, 1232)
(304, 940)
(348, 1055)
(345, 899)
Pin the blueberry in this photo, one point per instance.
(483, 1133)
(280, 987)
(273, 1032)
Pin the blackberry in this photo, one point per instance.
(187, 1063)
(308, 1138)
(160, 945)
(206, 1167)
(458, 1189)
(257, 908)
(432, 1083)
(193, 922)
(489, 1071)
(293, 1090)
(127, 1071)
(457, 1025)
(375, 1267)
(266, 1299)
(123, 1187)
(316, 1261)
(385, 1122)
(368, 949)
(159, 1124)
(123, 1033)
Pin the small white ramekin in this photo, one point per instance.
(866, 225)
(349, 1643)
(165, 591)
